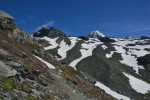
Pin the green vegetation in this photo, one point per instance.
(9, 84)
(3, 57)
(30, 98)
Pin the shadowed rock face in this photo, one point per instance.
(106, 39)
(53, 33)
(145, 60)
(83, 38)
(42, 32)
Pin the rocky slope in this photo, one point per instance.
(120, 66)
(29, 72)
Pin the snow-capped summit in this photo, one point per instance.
(95, 34)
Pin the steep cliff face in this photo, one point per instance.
(29, 72)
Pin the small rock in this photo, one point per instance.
(35, 52)
(36, 72)
(24, 55)
(2, 52)
(13, 64)
(42, 80)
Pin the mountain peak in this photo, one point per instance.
(95, 34)
(52, 32)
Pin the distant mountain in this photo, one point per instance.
(95, 34)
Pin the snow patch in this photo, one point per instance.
(130, 56)
(110, 55)
(62, 51)
(128, 59)
(47, 64)
(111, 92)
(51, 41)
(86, 50)
(104, 47)
(138, 53)
(137, 84)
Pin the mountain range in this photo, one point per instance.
(50, 65)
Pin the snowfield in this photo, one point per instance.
(86, 50)
(50, 66)
(111, 92)
(51, 41)
(137, 84)
(129, 57)
(63, 47)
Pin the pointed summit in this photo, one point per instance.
(42, 32)
(95, 34)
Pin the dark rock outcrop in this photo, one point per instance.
(53, 33)
(145, 37)
(145, 60)
(42, 32)
(106, 39)
(83, 38)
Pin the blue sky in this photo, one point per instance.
(115, 18)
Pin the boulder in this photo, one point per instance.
(13, 64)
(6, 71)
(5, 53)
